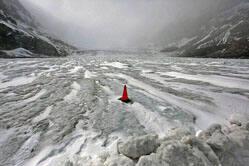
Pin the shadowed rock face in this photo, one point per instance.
(234, 49)
(11, 39)
(224, 35)
(14, 9)
(17, 31)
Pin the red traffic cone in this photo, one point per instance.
(125, 94)
(125, 97)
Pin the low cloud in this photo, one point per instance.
(111, 24)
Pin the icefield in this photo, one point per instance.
(56, 110)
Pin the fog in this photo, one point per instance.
(112, 24)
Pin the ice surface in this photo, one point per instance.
(67, 109)
(105, 68)
(43, 115)
(76, 69)
(37, 96)
(152, 121)
(17, 81)
(189, 106)
(115, 64)
(2, 76)
(73, 94)
(19, 53)
(89, 74)
(213, 79)
(25, 150)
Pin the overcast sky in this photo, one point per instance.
(115, 23)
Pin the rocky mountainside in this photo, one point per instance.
(225, 35)
(19, 37)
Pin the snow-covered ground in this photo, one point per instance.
(59, 111)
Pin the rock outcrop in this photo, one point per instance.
(136, 147)
(19, 36)
(224, 34)
(119, 161)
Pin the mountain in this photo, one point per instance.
(224, 35)
(19, 36)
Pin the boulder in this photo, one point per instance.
(204, 135)
(176, 134)
(203, 149)
(236, 151)
(119, 160)
(237, 119)
(137, 147)
(235, 122)
(232, 148)
(176, 154)
(247, 126)
(218, 141)
(151, 160)
(216, 146)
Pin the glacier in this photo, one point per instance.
(56, 110)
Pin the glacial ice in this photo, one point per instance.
(69, 112)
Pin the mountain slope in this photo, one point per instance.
(226, 35)
(18, 35)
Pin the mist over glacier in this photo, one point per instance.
(120, 24)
